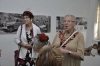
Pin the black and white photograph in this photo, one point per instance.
(59, 23)
(44, 22)
(81, 23)
(9, 22)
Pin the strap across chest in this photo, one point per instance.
(67, 40)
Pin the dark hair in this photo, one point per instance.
(28, 13)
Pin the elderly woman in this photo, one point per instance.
(25, 39)
(70, 42)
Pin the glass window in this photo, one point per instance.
(97, 24)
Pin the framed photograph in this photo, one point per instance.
(59, 23)
(81, 23)
(44, 22)
(9, 22)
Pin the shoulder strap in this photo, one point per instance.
(68, 38)
(20, 32)
(20, 36)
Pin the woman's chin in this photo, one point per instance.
(66, 29)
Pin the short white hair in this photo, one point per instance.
(71, 16)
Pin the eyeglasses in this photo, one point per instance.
(68, 21)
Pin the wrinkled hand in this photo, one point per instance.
(63, 50)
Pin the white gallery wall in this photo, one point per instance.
(53, 8)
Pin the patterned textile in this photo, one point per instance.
(63, 39)
(28, 60)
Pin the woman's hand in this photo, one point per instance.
(25, 45)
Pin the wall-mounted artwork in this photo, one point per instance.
(59, 23)
(81, 23)
(9, 22)
(44, 22)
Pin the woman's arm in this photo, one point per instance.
(17, 37)
(70, 53)
(80, 50)
(25, 45)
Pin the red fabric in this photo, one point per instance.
(62, 38)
